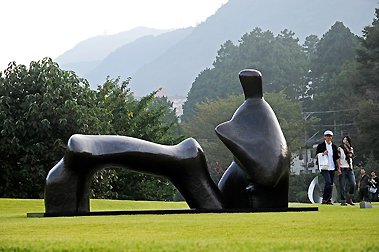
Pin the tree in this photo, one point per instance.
(368, 59)
(367, 90)
(335, 49)
(331, 80)
(40, 108)
(310, 45)
(151, 118)
(281, 60)
(368, 129)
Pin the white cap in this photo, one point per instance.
(328, 132)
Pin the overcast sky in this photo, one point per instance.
(33, 29)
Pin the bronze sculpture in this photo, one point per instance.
(257, 178)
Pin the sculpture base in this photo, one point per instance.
(172, 211)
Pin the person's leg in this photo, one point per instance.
(331, 174)
(370, 196)
(342, 181)
(365, 194)
(351, 186)
(327, 187)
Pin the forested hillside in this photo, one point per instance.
(178, 67)
(332, 79)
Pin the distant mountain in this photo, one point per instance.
(127, 59)
(89, 53)
(174, 66)
(178, 67)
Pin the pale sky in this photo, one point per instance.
(34, 29)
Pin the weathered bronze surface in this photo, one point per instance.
(256, 179)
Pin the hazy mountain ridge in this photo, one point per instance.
(176, 68)
(89, 53)
(128, 58)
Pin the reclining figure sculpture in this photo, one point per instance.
(257, 177)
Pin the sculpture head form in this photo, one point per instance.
(251, 81)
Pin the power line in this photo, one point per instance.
(307, 114)
(334, 125)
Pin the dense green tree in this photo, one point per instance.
(366, 89)
(150, 118)
(331, 79)
(338, 107)
(305, 87)
(368, 59)
(280, 58)
(336, 48)
(368, 129)
(40, 108)
(310, 45)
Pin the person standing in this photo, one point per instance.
(363, 185)
(373, 187)
(345, 171)
(328, 149)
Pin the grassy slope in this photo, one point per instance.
(332, 227)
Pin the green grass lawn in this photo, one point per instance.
(332, 228)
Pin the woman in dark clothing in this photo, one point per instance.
(363, 185)
(345, 172)
(373, 187)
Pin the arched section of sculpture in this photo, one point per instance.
(257, 178)
(68, 183)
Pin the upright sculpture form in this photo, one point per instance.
(257, 178)
(259, 175)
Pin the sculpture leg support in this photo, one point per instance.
(269, 197)
(239, 192)
(67, 190)
(68, 183)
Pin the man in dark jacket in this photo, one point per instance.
(327, 148)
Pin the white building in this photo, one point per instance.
(304, 162)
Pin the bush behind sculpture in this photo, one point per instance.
(41, 106)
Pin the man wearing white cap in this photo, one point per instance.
(327, 148)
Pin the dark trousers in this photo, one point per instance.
(363, 194)
(346, 179)
(373, 197)
(328, 179)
